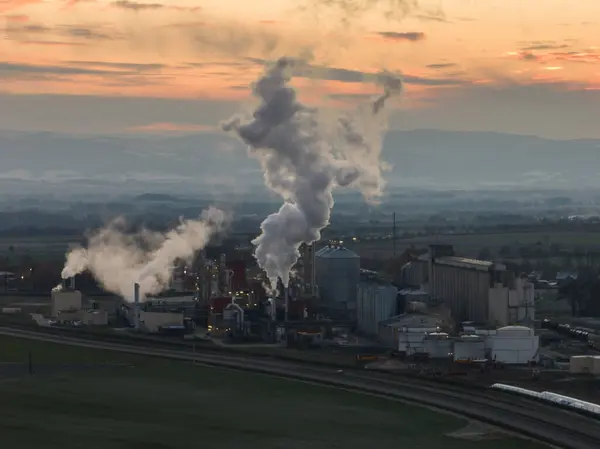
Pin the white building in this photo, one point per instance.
(514, 305)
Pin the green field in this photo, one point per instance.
(151, 403)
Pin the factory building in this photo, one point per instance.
(87, 317)
(337, 275)
(153, 322)
(65, 300)
(377, 300)
(407, 333)
(512, 305)
(474, 290)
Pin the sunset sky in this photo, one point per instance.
(164, 66)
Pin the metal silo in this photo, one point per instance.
(321, 266)
(337, 276)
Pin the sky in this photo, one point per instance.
(176, 66)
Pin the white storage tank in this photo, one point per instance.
(337, 272)
(516, 345)
(469, 347)
(376, 302)
(438, 345)
(411, 340)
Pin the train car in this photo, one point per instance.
(571, 402)
(516, 390)
(593, 340)
(559, 400)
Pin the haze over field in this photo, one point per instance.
(34, 162)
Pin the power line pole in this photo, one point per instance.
(394, 233)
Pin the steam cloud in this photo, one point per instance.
(304, 159)
(117, 260)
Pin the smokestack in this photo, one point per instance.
(286, 296)
(136, 306)
(64, 284)
(72, 283)
(313, 274)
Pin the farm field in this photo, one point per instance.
(471, 244)
(42, 247)
(98, 399)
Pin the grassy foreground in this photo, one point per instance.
(156, 404)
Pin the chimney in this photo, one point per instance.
(72, 283)
(64, 284)
(136, 306)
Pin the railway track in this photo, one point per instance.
(530, 418)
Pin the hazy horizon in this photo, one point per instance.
(498, 95)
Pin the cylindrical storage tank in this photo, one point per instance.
(321, 266)
(375, 303)
(338, 275)
(438, 345)
(469, 347)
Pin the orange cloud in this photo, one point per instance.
(171, 127)
(53, 43)
(140, 6)
(17, 18)
(411, 36)
(8, 5)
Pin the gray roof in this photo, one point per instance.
(337, 252)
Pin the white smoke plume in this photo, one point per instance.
(304, 158)
(117, 259)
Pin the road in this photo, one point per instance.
(530, 418)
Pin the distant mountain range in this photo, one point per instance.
(31, 162)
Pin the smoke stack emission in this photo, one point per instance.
(136, 305)
(117, 259)
(304, 159)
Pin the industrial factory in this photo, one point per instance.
(441, 307)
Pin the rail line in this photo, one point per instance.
(526, 417)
